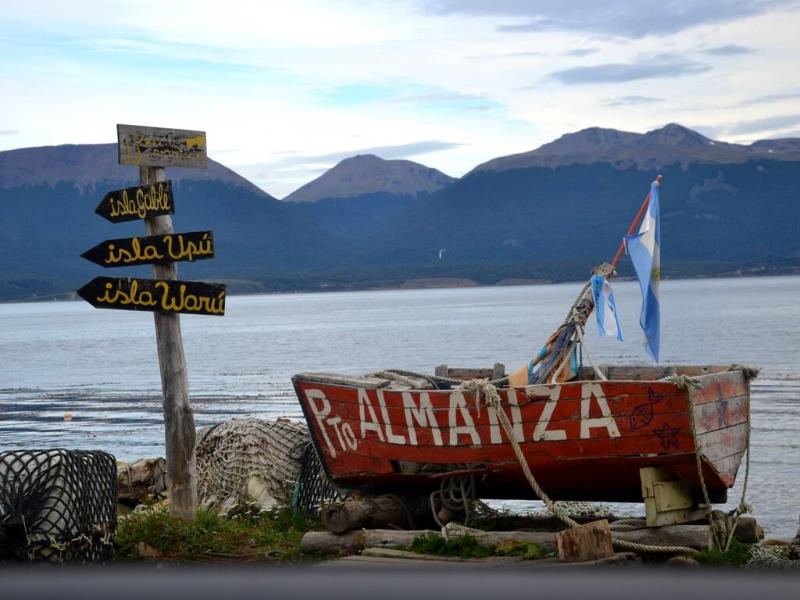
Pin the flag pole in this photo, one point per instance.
(519, 377)
(636, 220)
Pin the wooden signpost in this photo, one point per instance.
(159, 147)
(188, 297)
(152, 149)
(137, 202)
(125, 252)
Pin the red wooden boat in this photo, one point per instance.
(584, 439)
(585, 433)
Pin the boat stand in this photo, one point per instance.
(668, 500)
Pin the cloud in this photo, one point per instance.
(293, 162)
(581, 51)
(294, 169)
(630, 101)
(500, 55)
(647, 68)
(728, 50)
(9, 131)
(609, 17)
(772, 98)
(776, 123)
(388, 152)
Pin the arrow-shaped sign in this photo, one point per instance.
(137, 202)
(155, 295)
(155, 249)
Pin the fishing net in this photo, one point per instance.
(57, 505)
(249, 462)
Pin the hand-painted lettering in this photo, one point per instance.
(458, 407)
(364, 406)
(589, 390)
(423, 415)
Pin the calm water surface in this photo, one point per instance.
(101, 365)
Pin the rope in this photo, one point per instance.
(563, 344)
(684, 382)
(598, 373)
(749, 373)
(410, 381)
(455, 493)
(721, 528)
(493, 401)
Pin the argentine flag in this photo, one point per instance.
(644, 248)
(605, 307)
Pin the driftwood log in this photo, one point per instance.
(139, 479)
(693, 536)
(354, 541)
(380, 512)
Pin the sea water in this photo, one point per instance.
(75, 377)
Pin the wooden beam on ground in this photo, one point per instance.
(693, 536)
(329, 543)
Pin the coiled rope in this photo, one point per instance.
(493, 402)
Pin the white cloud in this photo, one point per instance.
(258, 76)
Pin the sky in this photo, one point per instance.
(286, 89)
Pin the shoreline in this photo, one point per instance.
(429, 283)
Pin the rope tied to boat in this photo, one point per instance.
(493, 402)
(749, 372)
(684, 382)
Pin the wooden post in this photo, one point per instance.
(585, 542)
(178, 416)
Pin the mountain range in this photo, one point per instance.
(548, 214)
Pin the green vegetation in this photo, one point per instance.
(525, 551)
(271, 536)
(465, 546)
(736, 556)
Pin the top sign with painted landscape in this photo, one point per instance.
(160, 147)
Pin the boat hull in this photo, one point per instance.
(583, 440)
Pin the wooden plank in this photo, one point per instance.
(723, 442)
(466, 374)
(137, 202)
(155, 295)
(161, 147)
(720, 414)
(156, 249)
(729, 384)
(672, 495)
(728, 467)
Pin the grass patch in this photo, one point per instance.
(737, 556)
(529, 551)
(268, 536)
(465, 546)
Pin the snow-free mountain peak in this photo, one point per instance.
(369, 174)
(90, 167)
(670, 144)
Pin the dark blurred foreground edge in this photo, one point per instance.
(226, 583)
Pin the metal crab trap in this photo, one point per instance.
(57, 506)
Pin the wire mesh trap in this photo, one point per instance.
(57, 505)
(313, 489)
